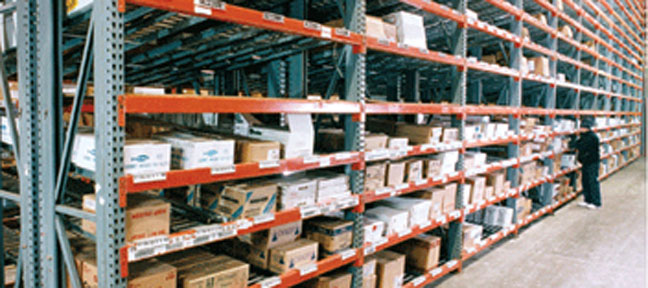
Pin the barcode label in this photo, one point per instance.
(451, 263)
(308, 211)
(268, 164)
(223, 170)
(326, 32)
(263, 218)
(311, 159)
(312, 25)
(404, 233)
(346, 254)
(342, 156)
(384, 190)
(342, 32)
(370, 250)
(325, 162)
(418, 281)
(273, 17)
(436, 271)
(152, 177)
(270, 282)
(307, 269)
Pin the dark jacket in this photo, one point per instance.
(588, 148)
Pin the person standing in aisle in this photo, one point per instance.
(589, 156)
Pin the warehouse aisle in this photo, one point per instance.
(576, 247)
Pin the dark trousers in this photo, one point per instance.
(591, 185)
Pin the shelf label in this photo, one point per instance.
(455, 214)
(402, 186)
(152, 177)
(421, 182)
(425, 224)
(346, 254)
(311, 159)
(265, 218)
(223, 170)
(175, 243)
(429, 146)
(402, 45)
(325, 161)
(342, 32)
(268, 164)
(308, 211)
(441, 219)
(273, 17)
(370, 250)
(307, 269)
(270, 282)
(436, 271)
(384, 190)
(418, 281)
(404, 233)
(312, 25)
(326, 32)
(342, 156)
(451, 263)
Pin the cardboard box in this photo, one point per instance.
(395, 220)
(297, 138)
(435, 196)
(489, 192)
(251, 150)
(145, 273)
(409, 29)
(450, 197)
(332, 280)
(145, 216)
(395, 173)
(391, 32)
(471, 235)
(507, 186)
(391, 269)
(330, 185)
(375, 27)
(244, 200)
(539, 66)
(558, 4)
(419, 134)
(479, 159)
(566, 31)
(369, 266)
(478, 184)
(369, 281)
(333, 234)
(375, 176)
(397, 143)
(525, 34)
(256, 256)
(418, 209)
(190, 152)
(422, 252)
(414, 169)
(300, 253)
(466, 192)
(450, 135)
(296, 191)
(274, 236)
(496, 180)
(541, 17)
(375, 142)
(141, 157)
(432, 168)
(374, 230)
(448, 161)
(224, 270)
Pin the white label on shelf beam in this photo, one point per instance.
(428, 146)
(455, 214)
(312, 159)
(404, 233)
(326, 32)
(425, 224)
(402, 186)
(436, 271)
(421, 182)
(441, 219)
(312, 25)
(223, 170)
(268, 164)
(370, 250)
(307, 269)
(273, 17)
(342, 156)
(270, 282)
(308, 211)
(451, 263)
(152, 177)
(346, 254)
(418, 281)
(325, 161)
(269, 217)
(384, 190)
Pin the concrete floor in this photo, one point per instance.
(574, 248)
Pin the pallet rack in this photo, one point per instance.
(607, 81)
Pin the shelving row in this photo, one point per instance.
(147, 53)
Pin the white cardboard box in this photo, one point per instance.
(330, 185)
(409, 29)
(295, 192)
(418, 209)
(296, 141)
(190, 152)
(140, 156)
(448, 161)
(478, 158)
(395, 220)
(373, 230)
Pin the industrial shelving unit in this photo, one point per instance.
(209, 44)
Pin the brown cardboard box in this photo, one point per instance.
(145, 216)
(419, 134)
(381, 126)
(450, 197)
(369, 266)
(478, 185)
(390, 32)
(375, 176)
(391, 269)
(300, 253)
(147, 273)
(369, 281)
(246, 200)
(450, 135)
(541, 17)
(330, 140)
(540, 66)
(375, 27)
(422, 252)
(248, 150)
(506, 187)
(566, 31)
(432, 168)
(471, 235)
(590, 44)
(414, 170)
(256, 256)
(333, 234)
(490, 59)
(436, 196)
(274, 236)
(395, 173)
(332, 280)
(375, 142)
(525, 34)
(496, 180)
(227, 272)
